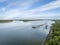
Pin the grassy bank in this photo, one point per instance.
(54, 36)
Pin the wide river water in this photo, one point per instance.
(22, 33)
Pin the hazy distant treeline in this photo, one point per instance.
(5, 21)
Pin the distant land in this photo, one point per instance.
(5, 21)
(25, 20)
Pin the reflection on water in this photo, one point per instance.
(22, 33)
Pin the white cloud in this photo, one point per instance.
(19, 12)
(16, 13)
(21, 4)
(2, 0)
(11, 14)
(49, 6)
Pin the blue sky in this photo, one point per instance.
(11, 9)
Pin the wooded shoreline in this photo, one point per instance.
(54, 35)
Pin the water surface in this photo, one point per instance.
(22, 33)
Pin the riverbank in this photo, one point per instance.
(54, 35)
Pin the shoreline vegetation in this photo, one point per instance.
(5, 21)
(54, 35)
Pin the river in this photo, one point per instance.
(22, 33)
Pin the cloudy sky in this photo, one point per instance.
(11, 9)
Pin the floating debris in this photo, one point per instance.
(34, 27)
(38, 26)
(46, 27)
